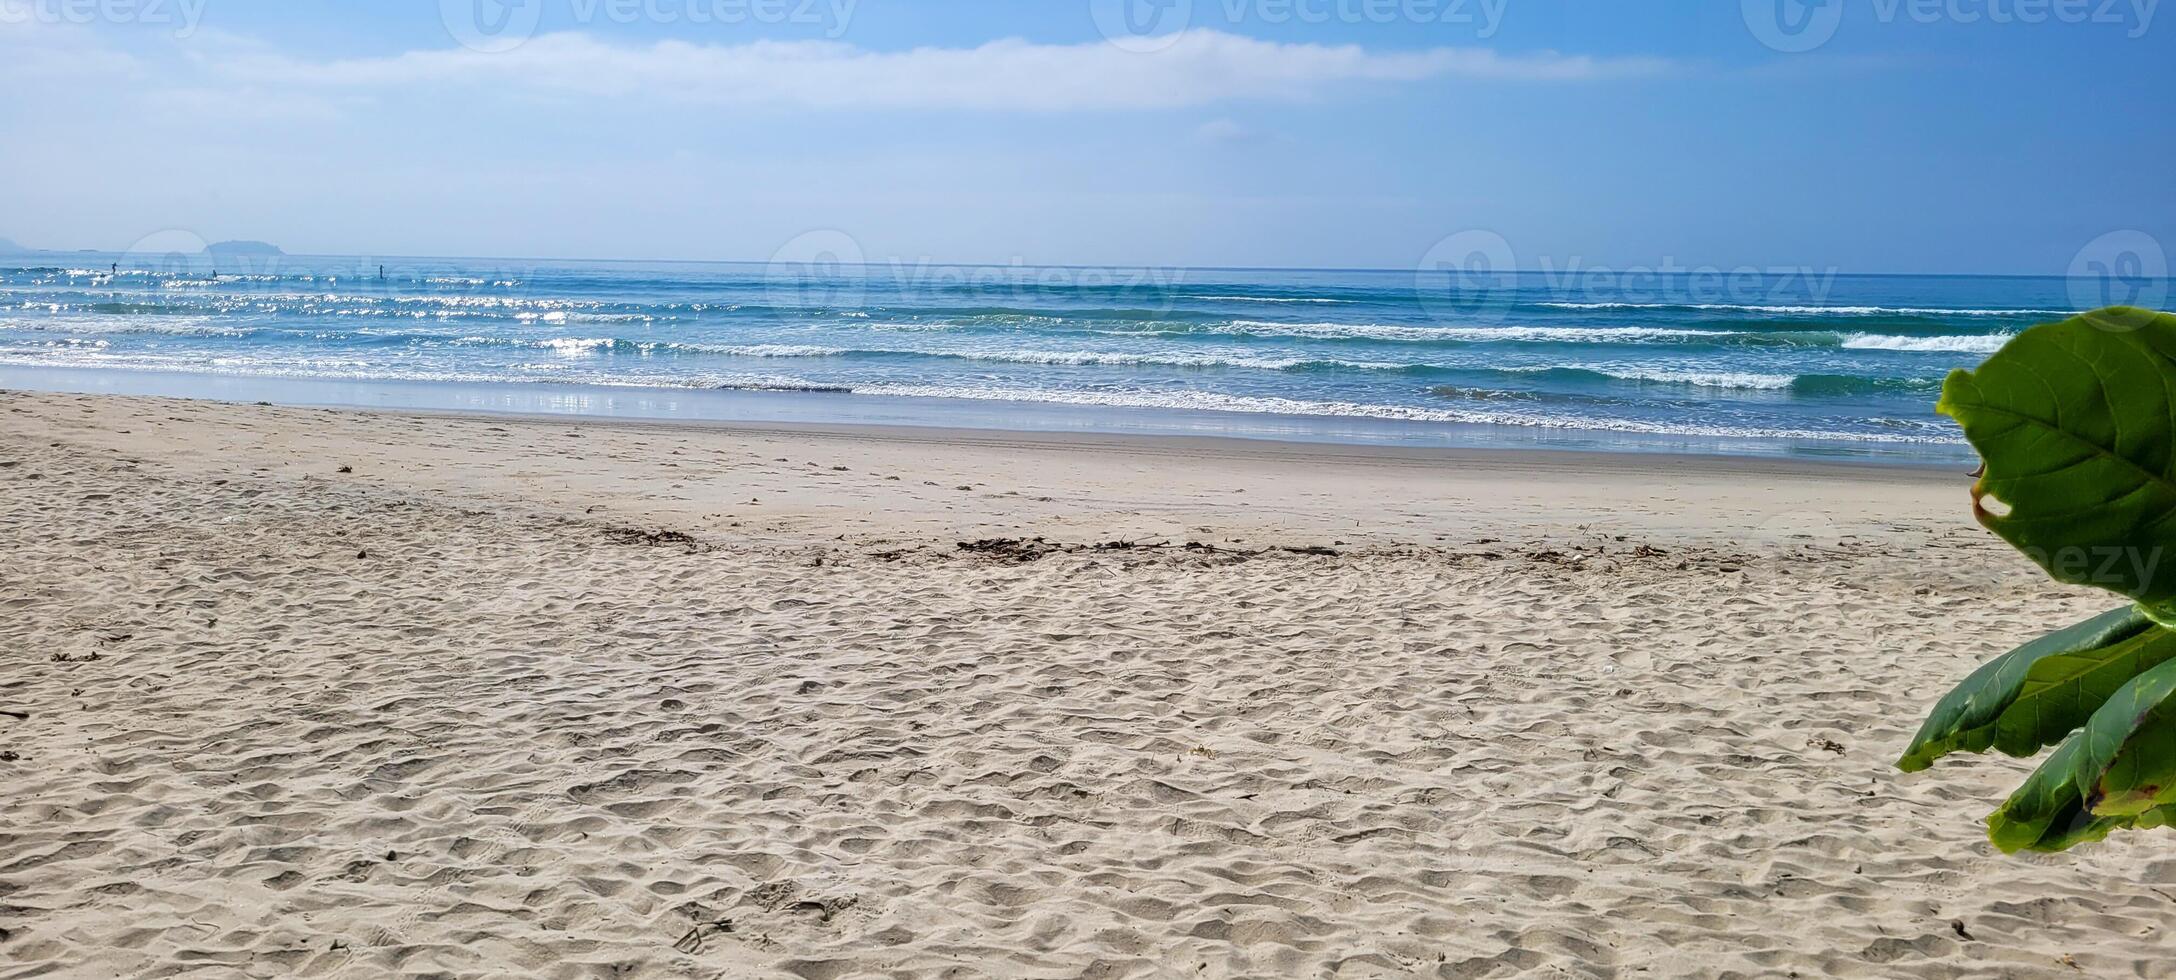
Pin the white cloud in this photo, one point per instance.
(1200, 68)
(248, 104)
(1228, 132)
(1224, 131)
(34, 51)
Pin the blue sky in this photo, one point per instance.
(1946, 136)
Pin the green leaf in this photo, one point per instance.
(2130, 747)
(2033, 696)
(2076, 422)
(2117, 772)
(2048, 813)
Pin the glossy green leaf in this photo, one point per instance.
(2064, 822)
(2048, 813)
(2035, 695)
(2130, 747)
(2076, 425)
(2119, 771)
(2076, 422)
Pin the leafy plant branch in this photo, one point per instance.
(2075, 423)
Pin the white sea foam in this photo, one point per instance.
(1049, 357)
(343, 302)
(1471, 335)
(1811, 310)
(1098, 358)
(1217, 402)
(1974, 344)
(1196, 401)
(178, 326)
(771, 350)
(571, 346)
(569, 316)
(1268, 299)
(1743, 380)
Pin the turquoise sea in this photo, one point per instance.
(1773, 362)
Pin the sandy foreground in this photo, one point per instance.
(315, 692)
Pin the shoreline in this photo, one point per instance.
(785, 406)
(889, 481)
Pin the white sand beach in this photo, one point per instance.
(312, 692)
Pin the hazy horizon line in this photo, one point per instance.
(1577, 269)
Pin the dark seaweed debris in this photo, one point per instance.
(1023, 550)
(654, 539)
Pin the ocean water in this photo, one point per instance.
(1785, 362)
